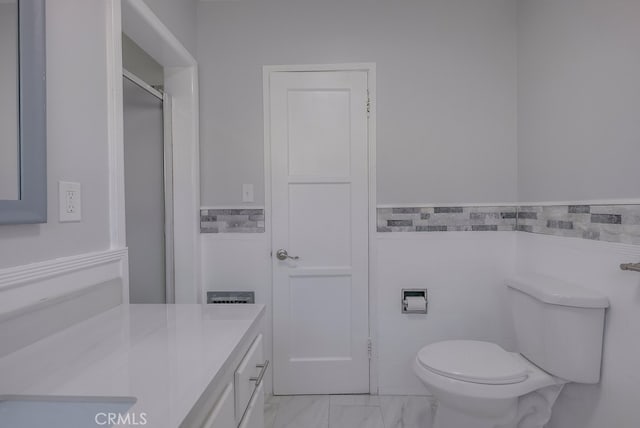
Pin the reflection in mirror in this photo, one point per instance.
(9, 141)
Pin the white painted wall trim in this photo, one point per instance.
(373, 249)
(182, 84)
(170, 277)
(115, 137)
(25, 286)
(234, 237)
(266, 109)
(630, 201)
(370, 69)
(169, 53)
(626, 201)
(432, 236)
(449, 204)
(115, 123)
(233, 207)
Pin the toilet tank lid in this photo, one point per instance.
(557, 292)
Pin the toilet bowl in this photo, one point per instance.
(480, 385)
(559, 330)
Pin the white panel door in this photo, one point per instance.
(319, 199)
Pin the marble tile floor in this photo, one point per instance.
(348, 411)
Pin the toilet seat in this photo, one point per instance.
(473, 361)
(447, 385)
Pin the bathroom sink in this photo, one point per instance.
(25, 411)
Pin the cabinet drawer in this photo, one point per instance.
(245, 376)
(254, 417)
(222, 415)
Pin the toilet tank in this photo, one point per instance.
(559, 326)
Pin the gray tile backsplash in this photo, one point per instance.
(446, 219)
(240, 220)
(612, 223)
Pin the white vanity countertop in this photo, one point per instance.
(163, 355)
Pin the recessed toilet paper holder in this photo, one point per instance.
(414, 301)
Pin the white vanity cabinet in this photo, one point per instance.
(241, 402)
(223, 413)
(247, 377)
(204, 357)
(254, 416)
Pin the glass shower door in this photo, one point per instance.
(144, 166)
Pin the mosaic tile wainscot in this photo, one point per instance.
(236, 220)
(612, 223)
(447, 219)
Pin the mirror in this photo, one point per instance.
(23, 175)
(9, 161)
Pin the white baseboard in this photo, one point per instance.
(26, 286)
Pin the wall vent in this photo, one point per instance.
(231, 297)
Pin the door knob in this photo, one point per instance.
(282, 254)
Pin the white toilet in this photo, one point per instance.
(559, 329)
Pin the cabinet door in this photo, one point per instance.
(223, 413)
(248, 369)
(254, 417)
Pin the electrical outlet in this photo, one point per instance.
(70, 200)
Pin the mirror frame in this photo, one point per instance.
(31, 207)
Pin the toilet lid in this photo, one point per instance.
(473, 361)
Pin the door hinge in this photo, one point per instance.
(368, 105)
(369, 347)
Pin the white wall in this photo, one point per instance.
(578, 99)
(240, 263)
(180, 17)
(76, 134)
(578, 139)
(77, 128)
(9, 182)
(578, 126)
(55, 274)
(446, 98)
(55, 271)
(464, 273)
(446, 73)
(613, 402)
